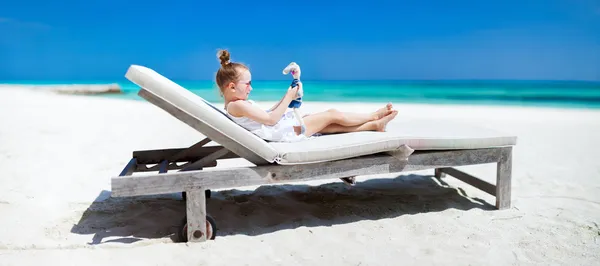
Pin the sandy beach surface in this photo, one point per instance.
(58, 153)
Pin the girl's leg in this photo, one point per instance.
(354, 119)
(316, 122)
(377, 125)
(350, 119)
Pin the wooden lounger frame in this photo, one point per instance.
(194, 178)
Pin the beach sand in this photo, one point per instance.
(58, 153)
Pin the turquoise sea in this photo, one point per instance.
(567, 94)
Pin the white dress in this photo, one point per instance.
(283, 131)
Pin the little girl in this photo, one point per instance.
(278, 124)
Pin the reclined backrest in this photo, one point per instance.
(200, 114)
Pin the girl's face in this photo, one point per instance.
(242, 88)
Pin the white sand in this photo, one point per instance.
(58, 153)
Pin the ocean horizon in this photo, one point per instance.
(541, 93)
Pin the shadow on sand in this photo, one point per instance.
(271, 208)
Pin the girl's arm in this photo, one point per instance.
(245, 109)
(277, 104)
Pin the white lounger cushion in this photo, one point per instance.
(418, 135)
(402, 137)
(212, 121)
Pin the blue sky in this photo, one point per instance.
(509, 39)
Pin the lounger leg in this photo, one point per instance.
(351, 181)
(196, 215)
(503, 179)
(439, 173)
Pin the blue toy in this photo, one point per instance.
(294, 69)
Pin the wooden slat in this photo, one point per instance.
(185, 153)
(234, 177)
(471, 180)
(171, 166)
(446, 158)
(211, 158)
(269, 174)
(129, 168)
(179, 155)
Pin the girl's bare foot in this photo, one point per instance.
(381, 124)
(379, 114)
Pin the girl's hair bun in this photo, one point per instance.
(223, 56)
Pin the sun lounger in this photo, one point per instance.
(416, 146)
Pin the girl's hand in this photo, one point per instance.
(292, 93)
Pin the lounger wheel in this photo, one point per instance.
(211, 229)
(207, 194)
